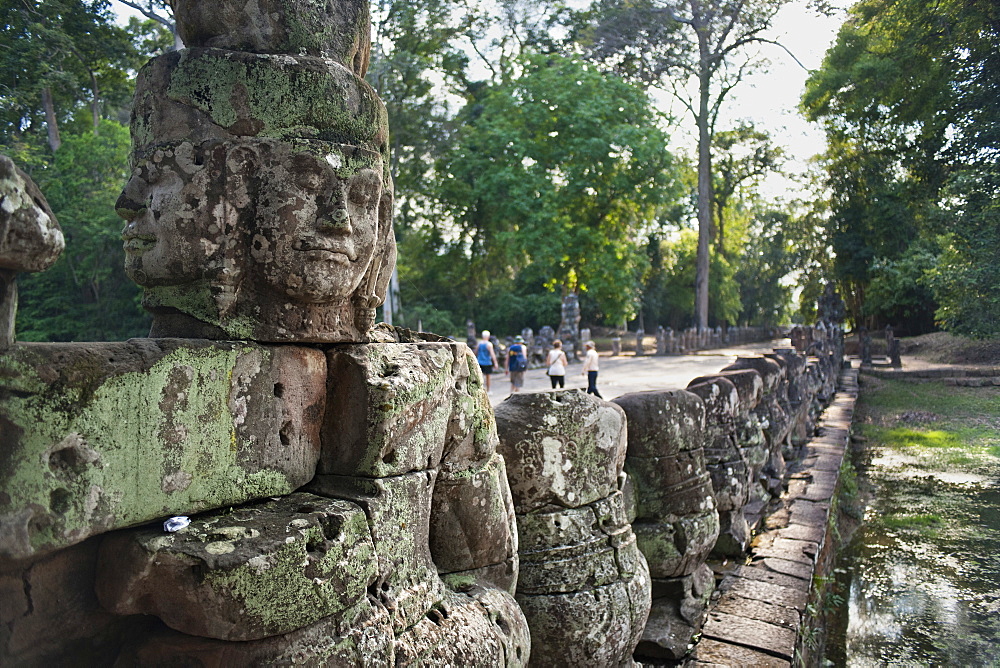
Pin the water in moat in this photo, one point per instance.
(919, 582)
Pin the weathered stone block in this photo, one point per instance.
(398, 407)
(668, 486)
(677, 548)
(770, 638)
(197, 95)
(677, 614)
(562, 448)
(338, 30)
(101, 436)
(726, 465)
(677, 520)
(398, 510)
(261, 570)
(479, 627)
(749, 386)
(368, 643)
(472, 523)
(504, 576)
(569, 550)
(663, 423)
(714, 653)
(30, 239)
(49, 614)
(594, 627)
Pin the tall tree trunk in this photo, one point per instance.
(95, 105)
(704, 188)
(51, 124)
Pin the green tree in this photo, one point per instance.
(765, 263)
(86, 295)
(559, 168)
(55, 57)
(908, 99)
(743, 156)
(670, 285)
(700, 51)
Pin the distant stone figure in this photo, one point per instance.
(892, 348)
(865, 341)
(30, 239)
(569, 328)
(830, 308)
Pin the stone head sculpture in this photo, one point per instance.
(185, 206)
(322, 244)
(261, 204)
(30, 239)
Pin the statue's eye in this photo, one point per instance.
(364, 188)
(308, 179)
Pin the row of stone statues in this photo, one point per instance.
(338, 493)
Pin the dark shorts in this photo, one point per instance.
(487, 369)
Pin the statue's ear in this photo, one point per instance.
(371, 293)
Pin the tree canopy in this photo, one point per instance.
(907, 96)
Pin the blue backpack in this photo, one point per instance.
(518, 362)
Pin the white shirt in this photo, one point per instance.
(555, 362)
(590, 362)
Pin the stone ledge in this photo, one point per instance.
(756, 620)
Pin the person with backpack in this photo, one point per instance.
(486, 357)
(557, 363)
(517, 362)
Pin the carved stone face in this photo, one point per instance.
(317, 222)
(178, 216)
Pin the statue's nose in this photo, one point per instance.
(334, 217)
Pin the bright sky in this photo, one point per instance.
(770, 99)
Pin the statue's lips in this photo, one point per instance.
(138, 244)
(325, 252)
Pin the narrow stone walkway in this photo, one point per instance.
(761, 604)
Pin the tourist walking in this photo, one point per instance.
(517, 362)
(590, 368)
(486, 357)
(557, 363)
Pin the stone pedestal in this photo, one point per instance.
(583, 585)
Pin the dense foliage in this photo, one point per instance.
(908, 97)
(66, 76)
(530, 162)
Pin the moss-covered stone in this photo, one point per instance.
(595, 627)
(678, 613)
(49, 615)
(478, 627)
(95, 437)
(678, 545)
(198, 95)
(368, 643)
(259, 570)
(472, 523)
(563, 449)
(398, 510)
(392, 407)
(338, 30)
(663, 423)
